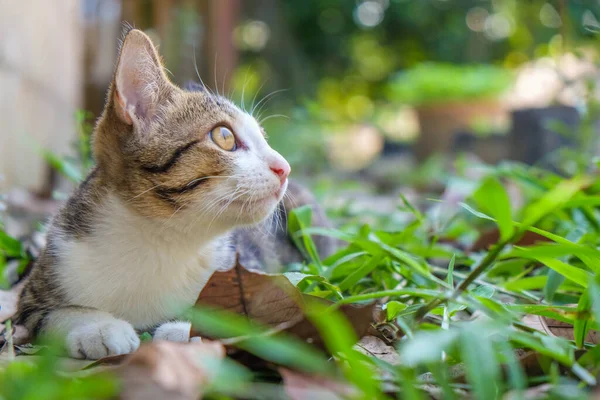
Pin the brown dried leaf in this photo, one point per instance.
(554, 327)
(267, 299)
(373, 346)
(300, 387)
(8, 307)
(532, 393)
(491, 237)
(274, 301)
(166, 370)
(8, 301)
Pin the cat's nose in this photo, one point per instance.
(281, 168)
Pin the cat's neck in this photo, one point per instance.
(120, 221)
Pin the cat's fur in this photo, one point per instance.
(136, 242)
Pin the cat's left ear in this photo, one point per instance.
(140, 81)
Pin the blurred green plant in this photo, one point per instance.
(40, 379)
(435, 83)
(75, 168)
(579, 154)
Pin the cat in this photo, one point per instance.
(183, 180)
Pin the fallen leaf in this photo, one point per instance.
(108, 361)
(491, 237)
(533, 393)
(373, 346)
(166, 370)
(274, 301)
(301, 387)
(8, 301)
(267, 299)
(8, 307)
(554, 327)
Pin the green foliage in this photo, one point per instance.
(27, 380)
(493, 199)
(432, 289)
(504, 282)
(75, 168)
(10, 248)
(435, 83)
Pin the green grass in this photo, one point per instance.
(431, 287)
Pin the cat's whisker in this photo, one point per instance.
(279, 218)
(291, 198)
(206, 177)
(144, 192)
(262, 121)
(256, 94)
(175, 212)
(215, 73)
(169, 71)
(209, 207)
(223, 208)
(223, 83)
(244, 89)
(198, 73)
(262, 101)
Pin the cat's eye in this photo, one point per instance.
(223, 138)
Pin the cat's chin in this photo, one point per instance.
(256, 211)
(251, 212)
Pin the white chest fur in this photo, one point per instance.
(135, 271)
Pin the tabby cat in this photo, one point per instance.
(183, 180)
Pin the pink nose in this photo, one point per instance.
(281, 169)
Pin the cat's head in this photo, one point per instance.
(183, 156)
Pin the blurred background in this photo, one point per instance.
(365, 98)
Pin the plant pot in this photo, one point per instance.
(440, 123)
(490, 149)
(532, 137)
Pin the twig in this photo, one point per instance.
(8, 334)
(473, 275)
(528, 297)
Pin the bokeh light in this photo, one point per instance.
(252, 35)
(369, 14)
(476, 18)
(549, 17)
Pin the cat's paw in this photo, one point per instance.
(177, 331)
(101, 339)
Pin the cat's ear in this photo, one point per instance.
(140, 81)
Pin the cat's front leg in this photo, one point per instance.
(90, 333)
(173, 331)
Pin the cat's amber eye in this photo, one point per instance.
(223, 138)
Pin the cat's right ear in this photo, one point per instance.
(140, 81)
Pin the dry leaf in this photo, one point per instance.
(8, 301)
(267, 299)
(8, 307)
(301, 387)
(373, 346)
(532, 393)
(166, 370)
(553, 327)
(491, 237)
(274, 301)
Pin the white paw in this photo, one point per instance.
(173, 332)
(101, 339)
